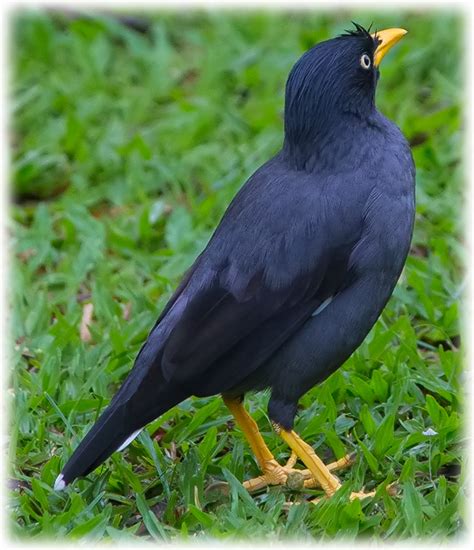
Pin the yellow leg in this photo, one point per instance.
(340, 464)
(311, 460)
(273, 473)
(317, 473)
(321, 474)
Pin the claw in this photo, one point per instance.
(361, 495)
(273, 474)
(292, 460)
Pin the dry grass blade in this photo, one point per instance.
(87, 312)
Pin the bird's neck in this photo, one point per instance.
(329, 145)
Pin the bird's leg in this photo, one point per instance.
(320, 473)
(273, 473)
(341, 464)
(311, 460)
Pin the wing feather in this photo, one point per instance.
(280, 251)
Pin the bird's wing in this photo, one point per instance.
(280, 251)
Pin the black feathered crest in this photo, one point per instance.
(358, 31)
(361, 32)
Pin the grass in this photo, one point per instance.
(126, 149)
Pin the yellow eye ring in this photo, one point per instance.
(365, 62)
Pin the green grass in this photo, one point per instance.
(126, 149)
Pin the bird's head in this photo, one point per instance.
(335, 81)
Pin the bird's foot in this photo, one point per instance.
(361, 495)
(341, 464)
(391, 489)
(293, 478)
(273, 474)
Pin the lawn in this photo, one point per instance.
(127, 143)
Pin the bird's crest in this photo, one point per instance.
(358, 31)
(361, 32)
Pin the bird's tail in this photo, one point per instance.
(141, 399)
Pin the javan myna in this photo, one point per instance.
(296, 273)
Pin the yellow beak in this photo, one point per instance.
(387, 39)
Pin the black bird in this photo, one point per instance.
(295, 275)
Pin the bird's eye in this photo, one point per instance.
(365, 61)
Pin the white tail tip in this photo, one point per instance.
(59, 484)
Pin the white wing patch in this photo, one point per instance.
(129, 439)
(322, 306)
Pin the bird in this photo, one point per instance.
(293, 278)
